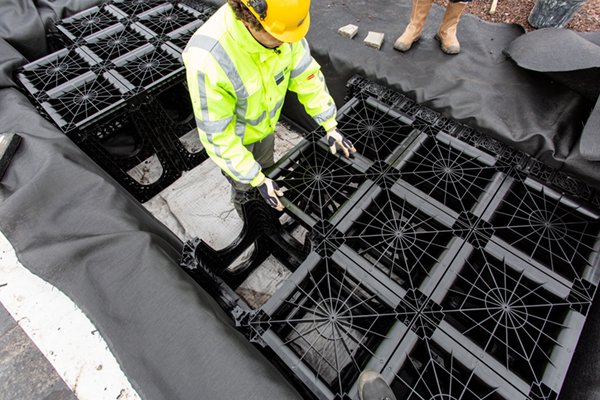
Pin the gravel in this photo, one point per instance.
(517, 11)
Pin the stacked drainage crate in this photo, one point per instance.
(118, 90)
(448, 261)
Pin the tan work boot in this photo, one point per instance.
(412, 33)
(447, 32)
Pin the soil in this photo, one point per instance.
(517, 11)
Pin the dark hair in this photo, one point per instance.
(244, 14)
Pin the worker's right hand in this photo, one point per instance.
(335, 137)
(269, 190)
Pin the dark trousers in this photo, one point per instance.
(263, 154)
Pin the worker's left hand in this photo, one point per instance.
(335, 137)
(269, 190)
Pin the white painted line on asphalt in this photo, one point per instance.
(61, 331)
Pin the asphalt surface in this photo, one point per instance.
(25, 374)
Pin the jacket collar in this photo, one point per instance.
(244, 38)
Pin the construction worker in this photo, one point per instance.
(447, 32)
(239, 65)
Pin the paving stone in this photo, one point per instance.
(348, 31)
(374, 40)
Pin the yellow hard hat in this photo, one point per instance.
(285, 20)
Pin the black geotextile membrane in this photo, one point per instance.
(22, 27)
(11, 60)
(576, 65)
(24, 22)
(589, 144)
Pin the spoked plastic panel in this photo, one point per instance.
(426, 368)
(135, 7)
(319, 187)
(117, 41)
(149, 66)
(332, 323)
(430, 372)
(168, 18)
(545, 226)
(507, 314)
(409, 242)
(445, 170)
(83, 99)
(519, 322)
(375, 129)
(438, 368)
(317, 183)
(90, 21)
(327, 323)
(54, 70)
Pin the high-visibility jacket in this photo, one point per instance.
(237, 87)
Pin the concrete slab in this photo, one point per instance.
(263, 282)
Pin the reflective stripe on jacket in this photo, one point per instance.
(237, 87)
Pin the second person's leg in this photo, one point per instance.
(447, 32)
(412, 33)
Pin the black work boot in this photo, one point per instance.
(372, 386)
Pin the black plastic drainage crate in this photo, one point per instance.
(144, 148)
(160, 18)
(147, 147)
(89, 22)
(119, 132)
(118, 90)
(455, 265)
(109, 68)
